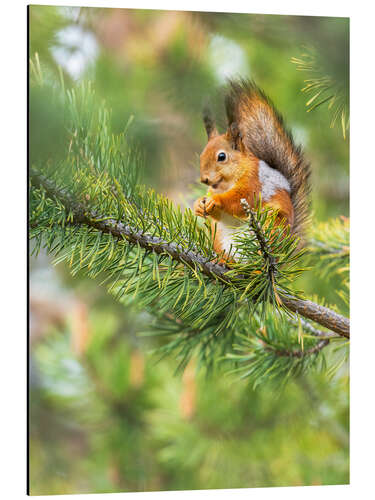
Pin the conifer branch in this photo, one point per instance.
(300, 353)
(319, 314)
(264, 247)
(121, 231)
(314, 331)
(82, 216)
(295, 353)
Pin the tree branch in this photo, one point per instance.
(320, 314)
(81, 215)
(299, 353)
(314, 331)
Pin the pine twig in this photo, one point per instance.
(300, 354)
(266, 252)
(314, 331)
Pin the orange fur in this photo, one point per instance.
(281, 202)
(240, 174)
(217, 236)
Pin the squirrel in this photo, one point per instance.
(255, 158)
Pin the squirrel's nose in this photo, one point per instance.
(205, 181)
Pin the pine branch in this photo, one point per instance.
(329, 248)
(121, 231)
(274, 349)
(295, 353)
(314, 331)
(319, 314)
(300, 354)
(82, 216)
(263, 244)
(325, 88)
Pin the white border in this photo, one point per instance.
(13, 249)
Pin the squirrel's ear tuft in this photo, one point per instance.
(209, 123)
(234, 136)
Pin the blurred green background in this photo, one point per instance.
(105, 416)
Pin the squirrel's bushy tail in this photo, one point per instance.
(263, 133)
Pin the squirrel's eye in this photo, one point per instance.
(221, 156)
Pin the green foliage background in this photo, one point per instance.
(104, 415)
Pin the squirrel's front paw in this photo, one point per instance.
(210, 205)
(204, 206)
(200, 207)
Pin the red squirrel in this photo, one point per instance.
(255, 158)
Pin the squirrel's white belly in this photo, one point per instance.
(226, 229)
